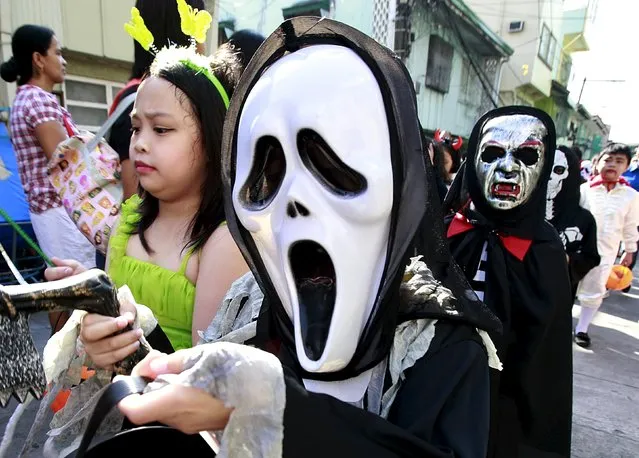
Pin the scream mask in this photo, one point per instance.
(308, 176)
(510, 159)
(325, 191)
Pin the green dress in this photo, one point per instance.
(170, 295)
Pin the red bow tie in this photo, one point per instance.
(516, 246)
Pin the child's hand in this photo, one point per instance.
(183, 407)
(626, 259)
(104, 348)
(63, 268)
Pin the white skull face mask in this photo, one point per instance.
(314, 188)
(558, 175)
(510, 159)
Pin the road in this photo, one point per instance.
(606, 383)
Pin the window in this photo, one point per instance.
(440, 64)
(551, 51)
(88, 100)
(547, 47)
(403, 35)
(516, 26)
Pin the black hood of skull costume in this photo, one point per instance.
(524, 220)
(566, 201)
(414, 195)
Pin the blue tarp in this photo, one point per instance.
(12, 199)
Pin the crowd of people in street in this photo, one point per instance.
(315, 275)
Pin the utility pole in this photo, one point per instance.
(582, 90)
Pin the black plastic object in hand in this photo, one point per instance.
(140, 441)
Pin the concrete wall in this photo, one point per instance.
(356, 13)
(95, 27)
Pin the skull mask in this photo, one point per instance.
(510, 159)
(558, 175)
(308, 176)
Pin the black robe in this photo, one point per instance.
(528, 286)
(576, 226)
(441, 408)
(429, 417)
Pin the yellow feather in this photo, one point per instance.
(138, 30)
(194, 23)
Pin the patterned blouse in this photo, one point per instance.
(34, 106)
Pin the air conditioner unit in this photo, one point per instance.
(516, 26)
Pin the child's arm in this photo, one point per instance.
(583, 198)
(221, 263)
(631, 224)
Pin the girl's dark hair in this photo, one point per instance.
(161, 17)
(26, 40)
(438, 158)
(208, 110)
(455, 156)
(245, 43)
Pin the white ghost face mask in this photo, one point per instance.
(510, 159)
(314, 188)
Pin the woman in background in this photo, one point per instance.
(38, 124)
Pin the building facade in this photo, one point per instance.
(534, 31)
(453, 57)
(455, 60)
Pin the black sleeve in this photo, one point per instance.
(441, 411)
(120, 135)
(584, 260)
(159, 341)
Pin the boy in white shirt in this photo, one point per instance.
(615, 206)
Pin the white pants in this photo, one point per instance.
(58, 236)
(592, 288)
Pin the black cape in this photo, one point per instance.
(441, 410)
(531, 405)
(576, 226)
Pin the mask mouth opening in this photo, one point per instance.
(505, 191)
(315, 282)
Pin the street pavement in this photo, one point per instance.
(606, 383)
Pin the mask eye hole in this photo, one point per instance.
(327, 167)
(267, 174)
(492, 153)
(559, 169)
(528, 156)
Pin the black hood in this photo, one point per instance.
(566, 202)
(413, 192)
(524, 220)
